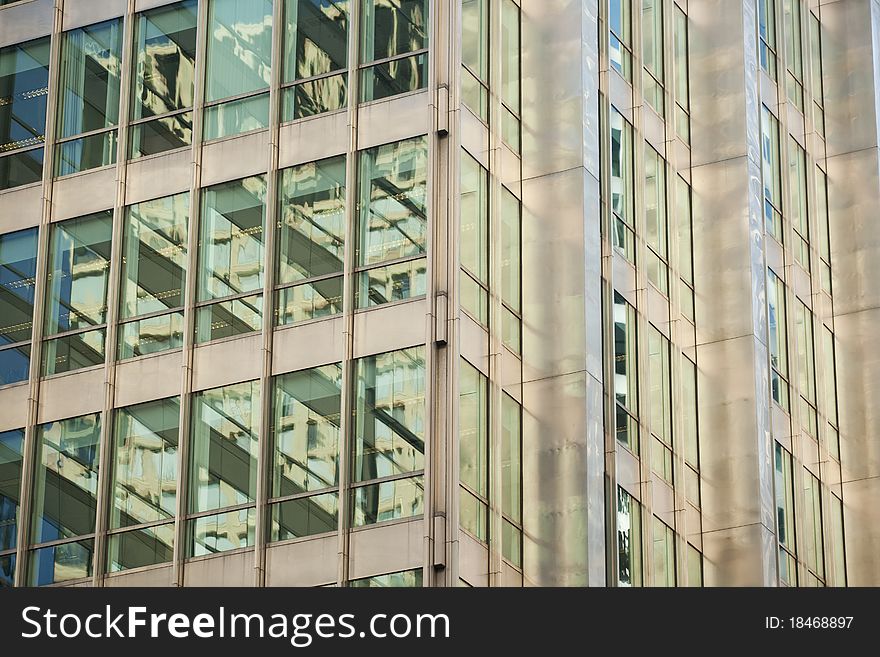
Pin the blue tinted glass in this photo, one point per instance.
(18, 269)
(7, 570)
(62, 563)
(10, 483)
(21, 168)
(14, 364)
(24, 87)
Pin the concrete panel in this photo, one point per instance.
(307, 345)
(21, 208)
(79, 13)
(149, 378)
(313, 139)
(227, 362)
(14, 402)
(238, 157)
(392, 327)
(234, 569)
(150, 577)
(84, 193)
(26, 21)
(158, 176)
(71, 395)
(387, 121)
(473, 560)
(735, 556)
(387, 549)
(311, 562)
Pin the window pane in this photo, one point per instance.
(239, 49)
(393, 201)
(142, 547)
(389, 427)
(511, 543)
(221, 532)
(405, 280)
(315, 97)
(151, 335)
(87, 153)
(229, 318)
(18, 270)
(165, 47)
(395, 77)
(771, 174)
(629, 540)
(473, 515)
(785, 512)
(311, 225)
(510, 53)
(474, 247)
(90, 71)
(79, 273)
(661, 391)
(24, 89)
(73, 352)
(225, 434)
(22, 168)
(11, 456)
(839, 565)
(664, 554)
(308, 301)
(511, 249)
(145, 463)
(389, 500)
(511, 466)
(625, 363)
(689, 412)
(307, 412)
(392, 27)
(236, 117)
(15, 364)
(61, 563)
(473, 422)
(231, 238)
(813, 525)
(694, 566)
(475, 37)
(161, 135)
(316, 41)
(66, 481)
(305, 516)
(7, 570)
(154, 256)
(405, 579)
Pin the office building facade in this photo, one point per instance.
(439, 293)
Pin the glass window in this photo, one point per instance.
(473, 428)
(778, 339)
(510, 74)
(622, 190)
(18, 270)
(511, 479)
(393, 221)
(822, 221)
(231, 258)
(626, 372)
(305, 516)
(91, 63)
(62, 563)
(619, 20)
(389, 421)
(311, 240)
(405, 579)
(771, 174)
(664, 554)
(24, 90)
(767, 36)
(694, 566)
(165, 53)
(797, 185)
(785, 517)
(794, 53)
(816, 67)
(475, 56)
(629, 540)
(660, 402)
(316, 50)
(806, 367)
(690, 424)
(65, 492)
(839, 563)
(145, 463)
(239, 64)
(11, 457)
(154, 275)
(682, 73)
(390, 29)
(474, 244)
(830, 377)
(511, 252)
(813, 526)
(655, 219)
(652, 53)
(147, 546)
(76, 296)
(387, 500)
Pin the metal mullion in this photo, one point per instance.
(30, 446)
(113, 293)
(192, 260)
(264, 462)
(349, 280)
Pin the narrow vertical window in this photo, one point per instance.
(652, 54)
(474, 242)
(660, 402)
(393, 47)
(511, 480)
(794, 59)
(511, 123)
(475, 56)
(813, 533)
(785, 517)
(772, 174)
(622, 188)
(664, 554)
(629, 540)
(620, 25)
(778, 339)
(682, 75)
(797, 211)
(511, 270)
(473, 422)
(806, 368)
(767, 36)
(625, 373)
(657, 235)
(18, 271)
(11, 460)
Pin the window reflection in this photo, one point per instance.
(18, 270)
(407, 579)
(11, 457)
(390, 29)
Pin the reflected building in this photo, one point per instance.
(417, 293)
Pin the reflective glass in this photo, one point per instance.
(629, 540)
(405, 579)
(311, 223)
(393, 201)
(7, 570)
(475, 37)
(473, 427)
(161, 135)
(145, 463)
(388, 500)
(79, 273)
(660, 385)
(73, 352)
(392, 27)
(511, 249)
(221, 532)
(154, 256)
(511, 458)
(66, 478)
(62, 563)
(694, 566)
(315, 97)
(316, 40)
(664, 554)
(11, 457)
(15, 364)
(86, 153)
(237, 117)
(474, 224)
(18, 270)
(394, 77)
(231, 238)
(21, 168)
(307, 301)
(510, 55)
(91, 65)
(771, 173)
(225, 436)
(239, 48)
(778, 340)
(511, 543)
(305, 516)
(625, 368)
(306, 430)
(473, 515)
(389, 423)
(151, 335)
(785, 522)
(398, 282)
(226, 319)
(165, 53)
(24, 89)
(141, 547)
